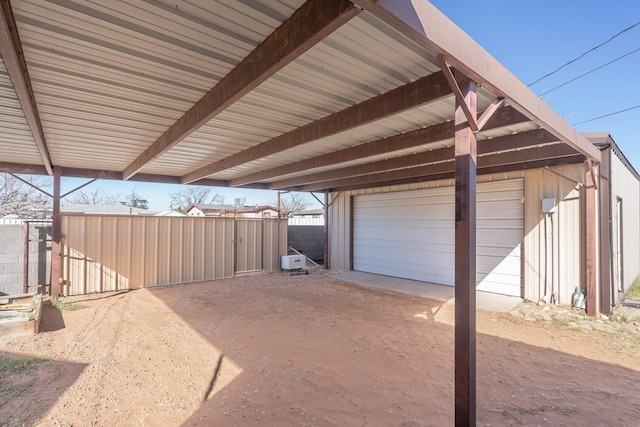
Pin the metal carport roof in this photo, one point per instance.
(315, 95)
(223, 93)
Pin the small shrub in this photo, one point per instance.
(14, 365)
(61, 305)
(635, 289)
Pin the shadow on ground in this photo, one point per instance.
(316, 350)
(30, 386)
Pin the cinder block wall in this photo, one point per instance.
(12, 257)
(308, 239)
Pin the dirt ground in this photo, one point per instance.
(281, 350)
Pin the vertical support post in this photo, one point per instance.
(590, 243)
(465, 258)
(56, 234)
(25, 271)
(326, 229)
(608, 297)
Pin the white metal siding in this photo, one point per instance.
(410, 234)
(626, 187)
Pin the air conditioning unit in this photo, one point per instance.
(293, 262)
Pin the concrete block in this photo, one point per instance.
(11, 235)
(14, 248)
(9, 258)
(14, 268)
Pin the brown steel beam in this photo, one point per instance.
(35, 187)
(13, 58)
(56, 236)
(439, 132)
(525, 139)
(465, 258)
(518, 159)
(571, 160)
(457, 92)
(308, 25)
(424, 24)
(489, 112)
(26, 169)
(425, 90)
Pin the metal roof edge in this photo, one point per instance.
(428, 27)
(604, 139)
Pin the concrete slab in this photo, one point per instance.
(484, 300)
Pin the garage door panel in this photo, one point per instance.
(411, 235)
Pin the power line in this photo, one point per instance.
(590, 71)
(584, 54)
(606, 115)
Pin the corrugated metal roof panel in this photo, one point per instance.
(340, 71)
(16, 140)
(117, 75)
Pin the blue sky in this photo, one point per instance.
(531, 38)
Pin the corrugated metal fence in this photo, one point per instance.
(107, 253)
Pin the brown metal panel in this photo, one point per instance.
(227, 247)
(107, 259)
(590, 245)
(311, 23)
(138, 238)
(465, 260)
(175, 250)
(163, 252)
(198, 249)
(151, 251)
(124, 252)
(248, 244)
(188, 253)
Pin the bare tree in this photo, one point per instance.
(182, 199)
(134, 200)
(20, 199)
(294, 202)
(94, 197)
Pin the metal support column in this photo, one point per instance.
(465, 257)
(590, 242)
(56, 234)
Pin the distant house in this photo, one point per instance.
(308, 217)
(265, 211)
(311, 213)
(94, 209)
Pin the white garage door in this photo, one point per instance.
(410, 234)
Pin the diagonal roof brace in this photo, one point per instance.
(423, 23)
(471, 118)
(475, 124)
(13, 57)
(308, 25)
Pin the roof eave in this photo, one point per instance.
(428, 27)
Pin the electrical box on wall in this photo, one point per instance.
(549, 205)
